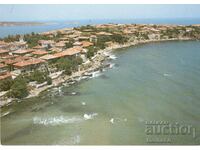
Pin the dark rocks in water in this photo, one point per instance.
(104, 76)
(106, 65)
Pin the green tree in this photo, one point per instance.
(19, 88)
(6, 84)
(90, 53)
(65, 64)
(38, 76)
(49, 81)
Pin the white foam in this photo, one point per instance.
(53, 121)
(73, 93)
(111, 65)
(112, 120)
(5, 114)
(89, 116)
(96, 74)
(83, 103)
(113, 57)
(166, 75)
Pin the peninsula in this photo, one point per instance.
(32, 63)
(5, 24)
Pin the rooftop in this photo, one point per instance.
(28, 63)
(39, 52)
(6, 75)
(86, 44)
(16, 59)
(103, 33)
(48, 57)
(23, 51)
(3, 51)
(69, 52)
(46, 41)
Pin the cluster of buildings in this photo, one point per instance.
(17, 58)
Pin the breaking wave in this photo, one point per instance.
(53, 121)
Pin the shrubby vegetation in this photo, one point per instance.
(69, 44)
(6, 84)
(11, 38)
(69, 64)
(118, 38)
(38, 76)
(91, 51)
(32, 39)
(19, 88)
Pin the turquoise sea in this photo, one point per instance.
(150, 82)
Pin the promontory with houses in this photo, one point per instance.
(34, 62)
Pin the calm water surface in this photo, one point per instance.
(158, 81)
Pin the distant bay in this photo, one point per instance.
(53, 25)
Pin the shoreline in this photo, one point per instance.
(95, 64)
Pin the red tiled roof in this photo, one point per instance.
(6, 75)
(3, 51)
(86, 44)
(46, 41)
(60, 44)
(68, 52)
(48, 57)
(28, 63)
(15, 60)
(24, 51)
(39, 52)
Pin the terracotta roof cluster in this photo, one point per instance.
(86, 44)
(39, 52)
(46, 42)
(48, 57)
(2, 51)
(23, 51)
(60, 44)
(15, 60)
(5, 76)
(69, 52)
(28, 63)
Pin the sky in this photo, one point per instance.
(84, 12)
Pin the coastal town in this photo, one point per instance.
(32, 63)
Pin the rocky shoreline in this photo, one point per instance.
(95, 64)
